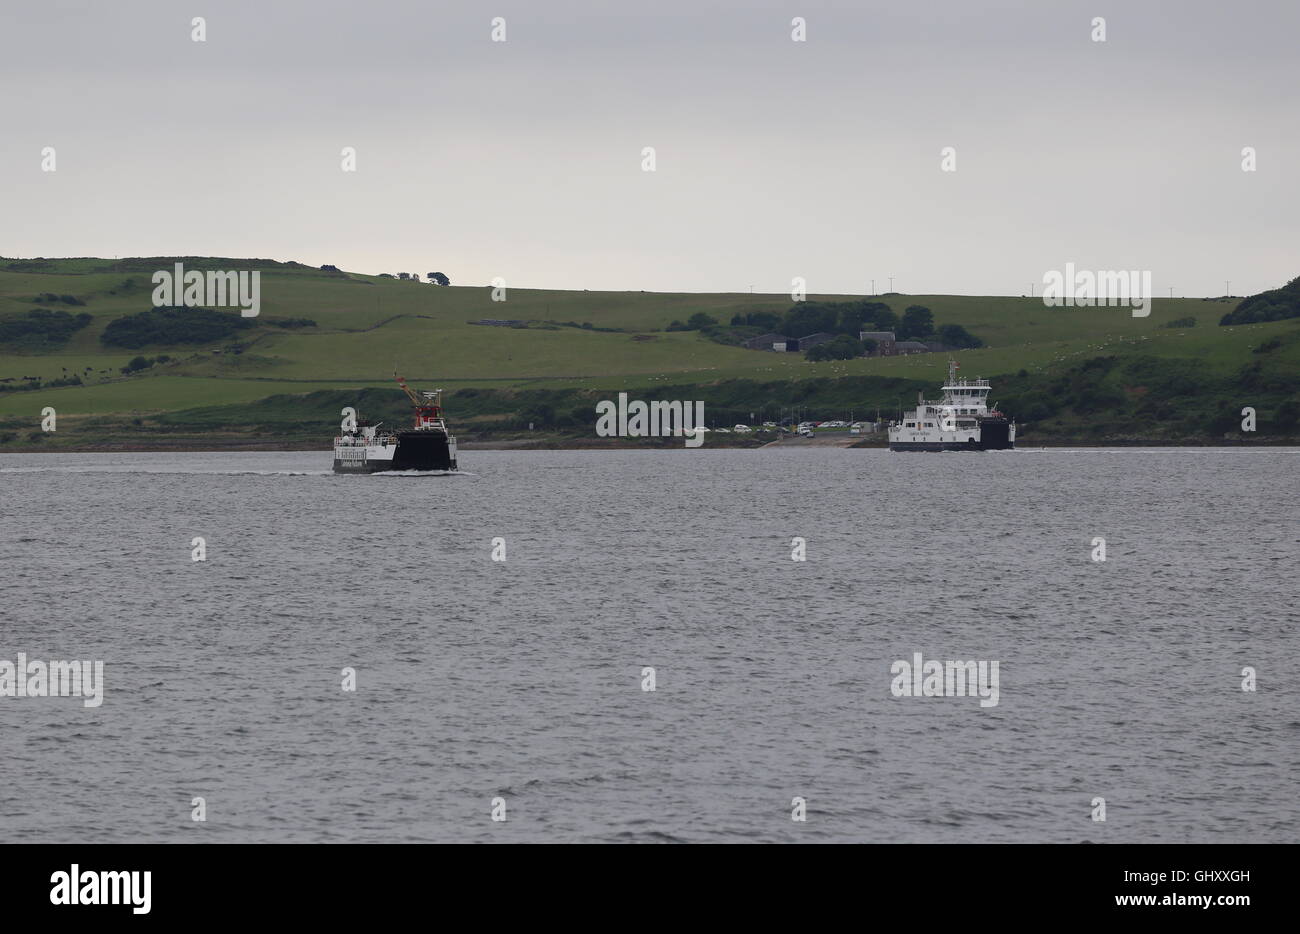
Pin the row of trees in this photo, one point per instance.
(1273, 305)
(844, 319)
(143, 363)
(41, 328)
(50, 297)
(172, 325)
(851, 318)
(842, 347)
(806, 318)
(437, 278)
(696, 322)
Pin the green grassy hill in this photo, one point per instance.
(367, 326)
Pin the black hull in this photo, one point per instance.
(423, 450)
(415, 450)
(995, 435)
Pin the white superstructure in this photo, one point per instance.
(366, 448)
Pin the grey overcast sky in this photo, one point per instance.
(523, 159)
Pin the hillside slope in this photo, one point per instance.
(596, 342)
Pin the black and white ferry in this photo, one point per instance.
(426, 446)
(959, 421)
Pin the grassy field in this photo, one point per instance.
(367, 326)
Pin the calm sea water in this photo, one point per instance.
(522, 679)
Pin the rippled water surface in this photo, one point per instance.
(522, 679)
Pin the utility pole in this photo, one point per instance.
(1031, 290)
(873, 288)
(891, 283)
(1171, 292)
(1227, 288)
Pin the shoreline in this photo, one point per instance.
(582, 444)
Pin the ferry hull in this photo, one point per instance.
(354, 466)
(945, 446)
(995, 435)
(423, 450)
(415, 450)
(933, 446)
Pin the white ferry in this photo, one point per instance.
(427, 446)
(960, 421)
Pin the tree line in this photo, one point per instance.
(1273, 305)
(845, 320)
(41, 328)
(172, 325)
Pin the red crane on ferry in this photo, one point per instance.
(428, 413)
